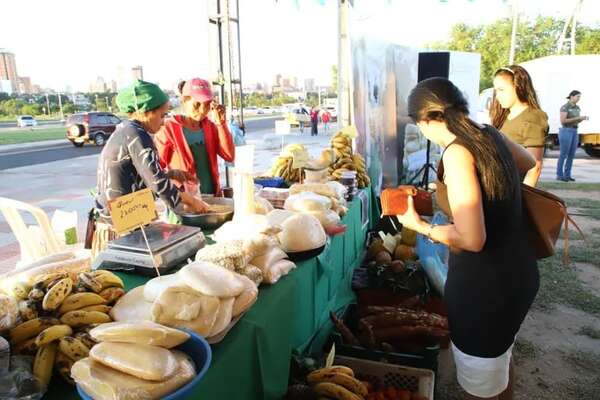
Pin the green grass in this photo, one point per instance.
(585, 207)
(526, 349)
(560, 285)
(28, 135)
(586, 187)
(590, 332)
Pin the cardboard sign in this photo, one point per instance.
(132, 210)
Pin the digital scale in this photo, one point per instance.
(171, 245)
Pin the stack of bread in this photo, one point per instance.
(134, 360)
(202, 296)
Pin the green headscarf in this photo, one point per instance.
(141, 96)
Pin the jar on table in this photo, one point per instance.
(348, 179)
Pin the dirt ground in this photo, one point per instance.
(557, 353)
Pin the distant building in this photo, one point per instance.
(8, 69)
(36, 89)
(25, 85)
(277, 81)
(99, 86)
(113, 86)
(137, 72)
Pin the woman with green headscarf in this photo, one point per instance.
(129, 162)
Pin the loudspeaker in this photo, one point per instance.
(434, 64)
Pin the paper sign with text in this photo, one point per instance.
(132, 210)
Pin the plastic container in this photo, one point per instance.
(416, 380)
(426, 357)
(272, 182)
(200, 352)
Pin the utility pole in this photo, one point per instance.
(47, 104)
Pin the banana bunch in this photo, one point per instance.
(345, 160)
(283, 165)
(337, 382)
(57, 314)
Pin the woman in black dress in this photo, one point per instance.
(492, 276)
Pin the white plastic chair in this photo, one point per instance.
(31, 248)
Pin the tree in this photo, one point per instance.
(535, 38)
(31, 109)
(69, 108)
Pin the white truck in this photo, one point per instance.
(553, 78)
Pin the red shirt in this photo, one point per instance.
(174, 152)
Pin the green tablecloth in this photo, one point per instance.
(253, 360)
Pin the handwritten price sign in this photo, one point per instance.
(132, 210)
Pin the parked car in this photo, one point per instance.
(26, 120)
(91, 127)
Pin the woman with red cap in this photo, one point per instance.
(188, 144)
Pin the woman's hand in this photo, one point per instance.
(411, 219)
(217, 114)
(196, 206)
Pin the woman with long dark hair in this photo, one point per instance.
(492, 276)
(516, 112)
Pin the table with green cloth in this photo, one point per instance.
(253, 360)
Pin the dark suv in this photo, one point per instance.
(91, 127)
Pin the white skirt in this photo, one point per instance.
(482, 377)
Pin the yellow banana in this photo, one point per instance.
(63, 365)
(328, 370)
(28, 309)
(79, 318)
(73, 348)
(43, 363)
(52, 333)
(112, 294)
(334, 391)
(339, 378)
(45, 279)
(107, 279)
(20, 290)
(99, 307)
(78, 301)
(56, 294)
(85, 338)
(89, 281)
(31, 328)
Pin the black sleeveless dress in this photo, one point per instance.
(489, 293)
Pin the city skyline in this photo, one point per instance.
(300, 39)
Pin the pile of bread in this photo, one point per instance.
(202, 296)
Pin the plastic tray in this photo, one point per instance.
(417, 380)
(426, 358)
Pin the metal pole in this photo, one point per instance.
(47, 104)
(241, 105)
(513, 37)
(574, 27)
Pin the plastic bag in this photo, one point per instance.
(434, 256)
(19, 383)
(64, 225)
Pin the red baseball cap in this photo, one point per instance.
(199, 89)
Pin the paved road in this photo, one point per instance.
(14, 124)
(27, 156)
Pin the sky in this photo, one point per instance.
(60, 43)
